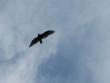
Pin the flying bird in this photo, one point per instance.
(40, 37)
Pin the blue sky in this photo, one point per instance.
(77, 53)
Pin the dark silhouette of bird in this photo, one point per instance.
(40, 37)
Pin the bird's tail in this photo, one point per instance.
(40, 41)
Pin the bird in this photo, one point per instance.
(40, 37)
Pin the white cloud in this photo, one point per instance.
(18, 63)
(81, 26)
(84, 25)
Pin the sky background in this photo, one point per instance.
(79, 51)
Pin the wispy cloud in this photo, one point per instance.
(18, 25)
(77, 53)
(83, 52)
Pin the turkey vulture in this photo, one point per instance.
(41, 36)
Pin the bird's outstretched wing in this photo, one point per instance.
(47, 33)
(34, 41)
